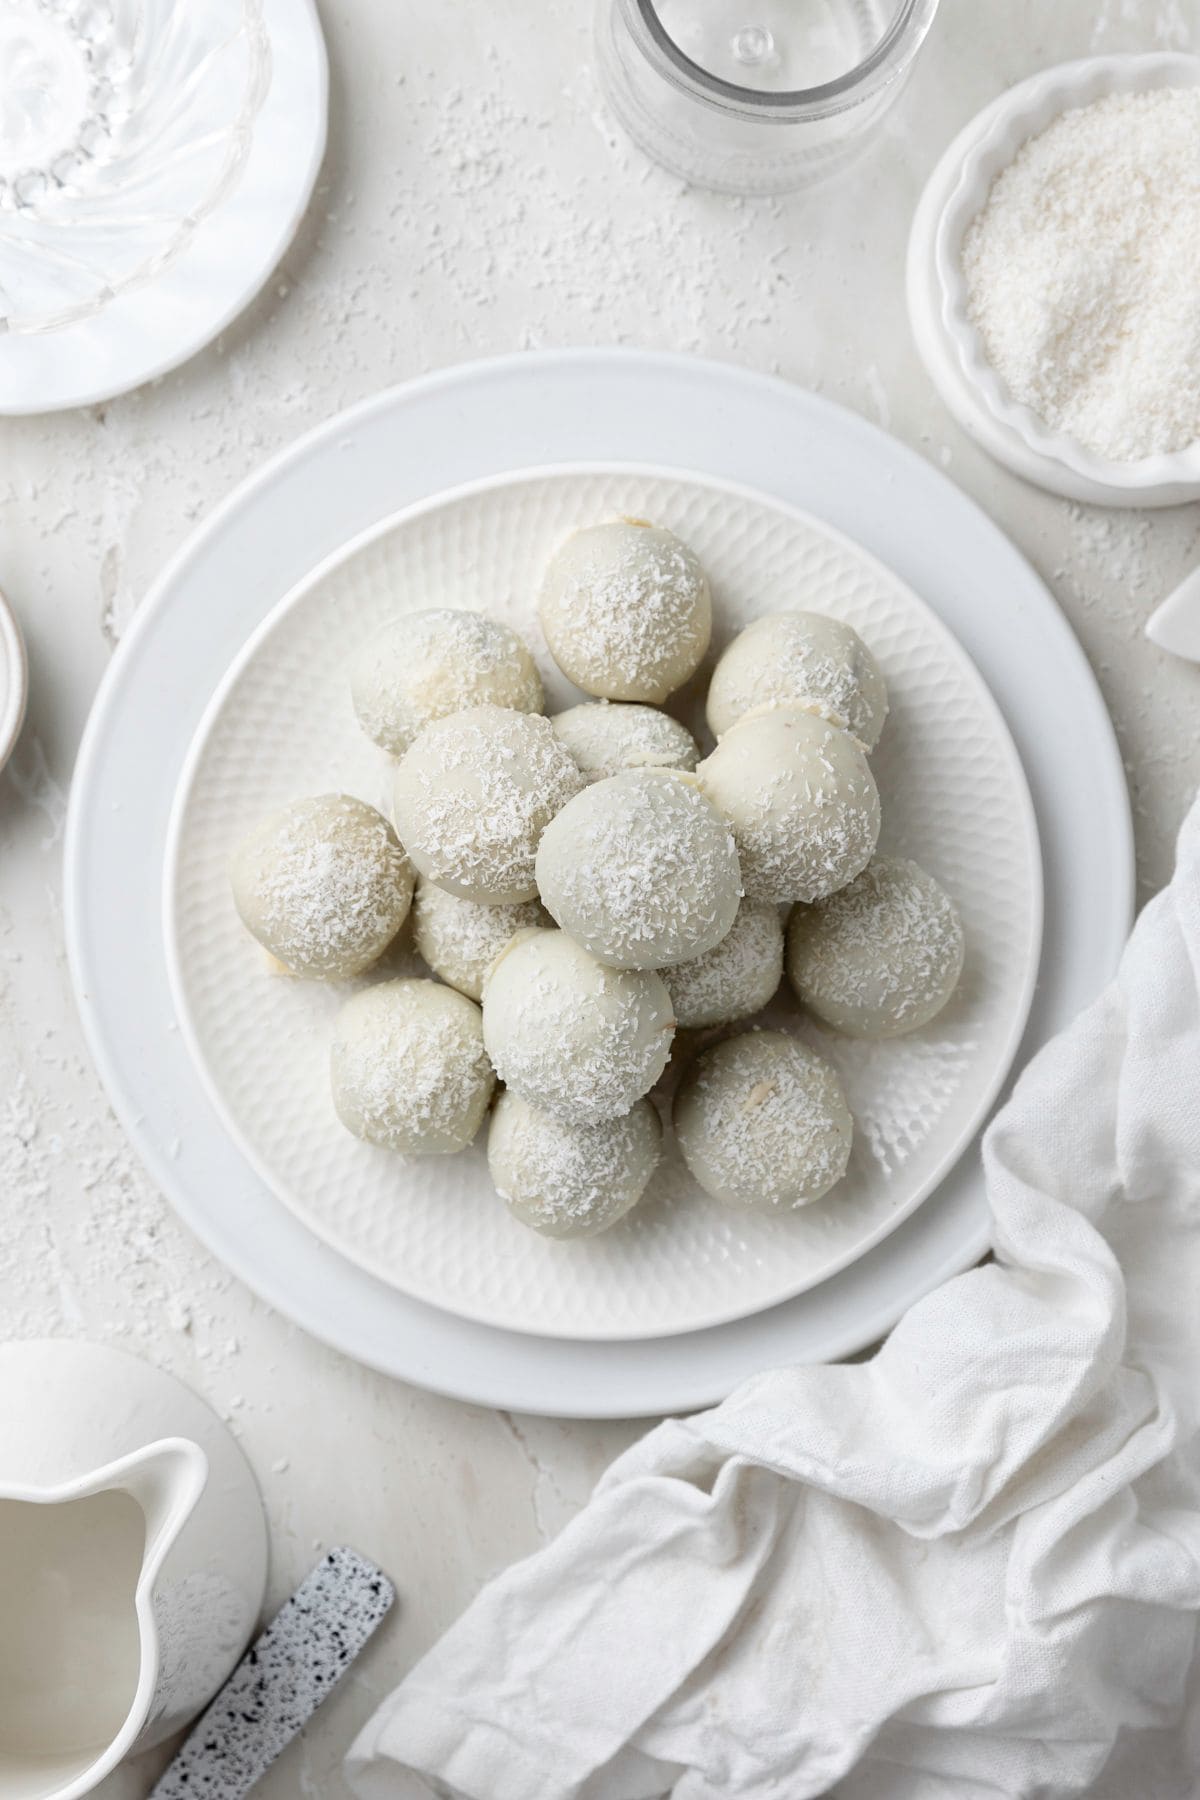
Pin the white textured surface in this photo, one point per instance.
(954, 798)
(414, 256)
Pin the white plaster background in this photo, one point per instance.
(474, 199)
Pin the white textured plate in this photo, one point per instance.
(394, 450)
(281, 725)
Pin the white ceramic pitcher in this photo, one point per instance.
(132, 1562)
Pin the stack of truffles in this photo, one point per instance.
(584, 886)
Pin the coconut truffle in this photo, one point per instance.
(800, 800)
(408, 1068)
(735, 979)
(762, 1121)
(626, 610)
(571, 1181)
(460, 939)
(427, 665)
(804, 658)
(641, 870)
(573, 1037)
(606, 739)
(473, 796)
(323, 885)
(881, 957)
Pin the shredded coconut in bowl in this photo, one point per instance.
(1081, 271)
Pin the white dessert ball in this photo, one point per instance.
(626, 610)
(762, 1121)
(573, 1037)
(882, 956)
(473, 796)
(606, 738)
(571, 1181)
(800, 800)
(736, 978)
(408, 1068)
(427, 665)
(461, 939)
(323, 885)
(804, 658)
(641, 870)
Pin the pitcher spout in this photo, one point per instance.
(166, 1479)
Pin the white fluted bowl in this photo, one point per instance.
(949, 342)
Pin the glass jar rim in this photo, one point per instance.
(898, 44)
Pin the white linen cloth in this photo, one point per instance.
(969, 1567)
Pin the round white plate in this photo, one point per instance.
(148, 329)
(949, 344)
(282, 725)
(14, 680)
(420, 439)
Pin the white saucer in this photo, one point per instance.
(147, 329)
(948, 342)
(450, 429)
(281, 724)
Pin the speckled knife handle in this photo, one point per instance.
(281, 1680)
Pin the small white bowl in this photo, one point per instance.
(14, 681)
(949, 343)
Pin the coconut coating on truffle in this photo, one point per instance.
(882, 956)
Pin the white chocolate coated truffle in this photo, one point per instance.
(641, 870)
(570, 1036)
(570, 1181)
(426, 665)
(800, 800)
(606, 738)
(408, 1068)
(473, 796)
(736, 978)
(323, 885)
(881, 957)
(626, 610)
(804, 658)
(461, 939)
(762, 1121)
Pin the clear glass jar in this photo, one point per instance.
(756, 96)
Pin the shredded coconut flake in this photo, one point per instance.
(475, 793)
(427, 665)
(571, 1180)
(606, 738)
(1081, 273)
(323, 885)
(409, 1068)
(801, 801)
(570, 1036)
(736, 978)
(641, 869)
(626, 611)
(761, 1120)
(881, 956)
(460, 939)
